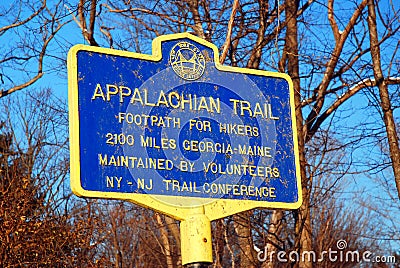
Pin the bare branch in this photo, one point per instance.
(197, 27)
(332, 21)
(19, 23)
(40, 73)
(88, 34)
(330, 68)
(227, 43)
(369, 82)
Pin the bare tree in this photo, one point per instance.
(36, 227)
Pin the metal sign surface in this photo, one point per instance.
(175, 129)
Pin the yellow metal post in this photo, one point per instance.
(196, 244)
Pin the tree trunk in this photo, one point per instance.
(384, 95)
(245, 239)
(275, 227)
(303, 223)
(165, 241)
(218, 238)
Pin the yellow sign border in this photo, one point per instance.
(216, 208)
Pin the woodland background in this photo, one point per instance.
(344, 59)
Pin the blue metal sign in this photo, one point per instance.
(176, 123)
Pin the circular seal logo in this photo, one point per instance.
(187, 61)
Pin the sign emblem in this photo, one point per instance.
(187, 61)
